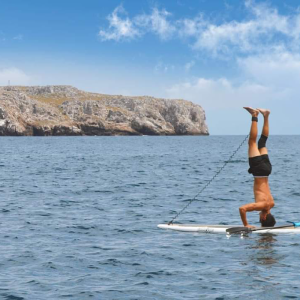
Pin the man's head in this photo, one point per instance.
(267, 220)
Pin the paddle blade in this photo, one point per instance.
(296, 224)
(238, 230)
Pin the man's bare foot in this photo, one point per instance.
(252, 111)
(264, 112)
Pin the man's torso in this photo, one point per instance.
(262, 192)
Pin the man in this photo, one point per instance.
(261, 168)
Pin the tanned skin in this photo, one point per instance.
(262, 194)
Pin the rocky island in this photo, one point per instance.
(65, 110)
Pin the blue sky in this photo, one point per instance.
(221, 54)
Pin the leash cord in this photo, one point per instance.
(209, 182)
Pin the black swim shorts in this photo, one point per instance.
(260, 166)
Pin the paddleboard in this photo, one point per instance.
(222, 228)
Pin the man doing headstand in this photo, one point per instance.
(261, 168)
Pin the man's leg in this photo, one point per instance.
(253, 149)
(265, 132)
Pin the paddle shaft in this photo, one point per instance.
(277, 227)
(247, 229)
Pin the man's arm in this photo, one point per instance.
(250, 207)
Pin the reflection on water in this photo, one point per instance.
(261, 256)
(265, 254)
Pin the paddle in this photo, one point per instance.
(240, 230)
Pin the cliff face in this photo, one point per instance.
(65, 110)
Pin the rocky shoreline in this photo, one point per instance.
(65, 110)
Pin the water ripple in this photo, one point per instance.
(79, 216)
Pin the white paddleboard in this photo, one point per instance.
(222, 228)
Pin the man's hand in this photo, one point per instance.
(250, 207)
(250, 226)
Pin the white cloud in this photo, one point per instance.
(222, 38)
(18, 37)
(262, 29)
(157, 23)
(280, 69)
(14, 75)
(219, 93)
(189, 65)
(119, 28)
(127, 29)
(191, 27)
(263, 79)
(161, 67)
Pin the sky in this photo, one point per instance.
(221, 54)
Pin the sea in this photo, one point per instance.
(79, 216)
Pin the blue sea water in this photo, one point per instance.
(79, 215)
